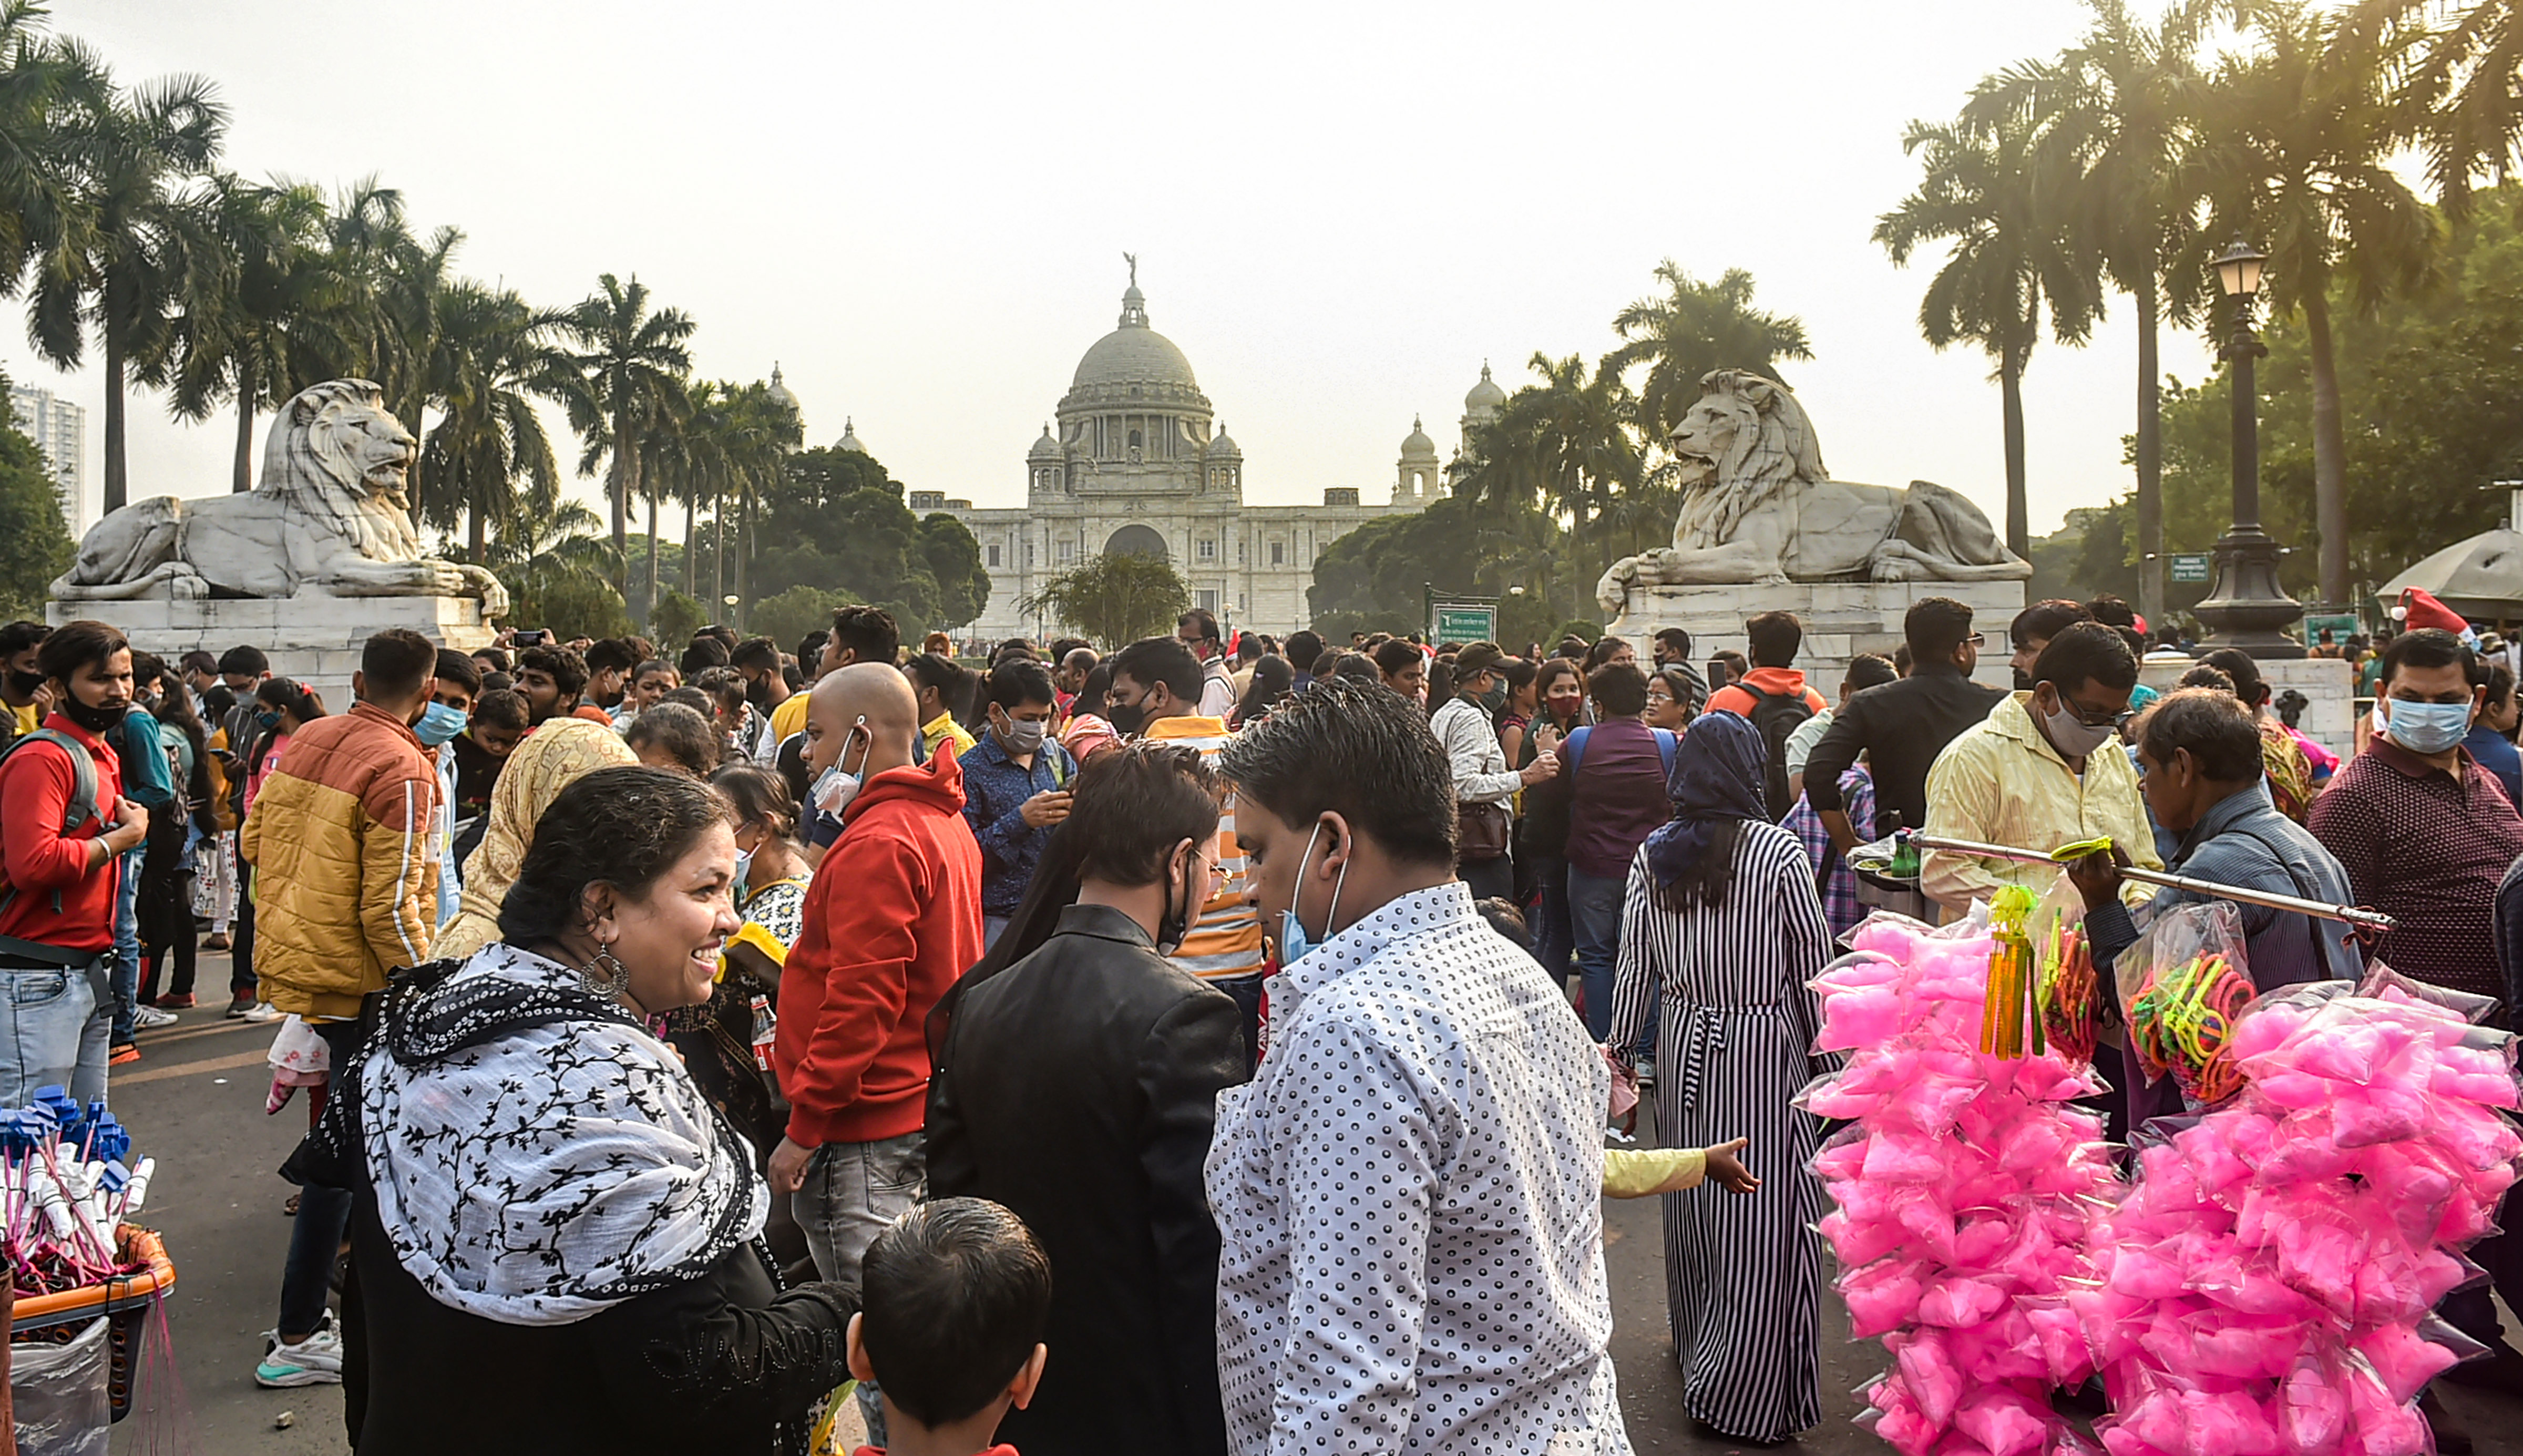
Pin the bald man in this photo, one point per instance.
(892, 917)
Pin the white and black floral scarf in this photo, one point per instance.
(537, 1155)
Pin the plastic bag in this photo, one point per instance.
(60, 1396)
(2183, 986)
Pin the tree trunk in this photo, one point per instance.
(243, 480)
(1577, 602)
(652, 605)
(2150, 459)
(2329, 450)
(718, 546)
(2019, 517)
(473, 528)
(691, 552)
(118, 484)
(624, 479)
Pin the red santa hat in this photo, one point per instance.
(2420, 610)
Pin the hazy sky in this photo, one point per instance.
(1340, 211)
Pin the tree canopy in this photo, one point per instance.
(836, 523)
(1115, 599)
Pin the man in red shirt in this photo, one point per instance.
(57, 909)
(893, 920)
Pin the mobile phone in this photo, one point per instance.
(1718, 674)
(530, 636)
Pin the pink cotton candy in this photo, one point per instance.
(2365, 1116)
(1860, 1241)
(2402, 1361)
(2379, 1425)
(2312, 1410)
(2489, 1086)
(1865, 1017)
(2005, 1421)
(1880, 1297)
(1930, 1374)
(1897, 1157)
(2140, 1274)
(2061, 1336)
(1920, 1211)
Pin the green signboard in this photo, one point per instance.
(2342, 624)
(1457, 622)
(2190, 566)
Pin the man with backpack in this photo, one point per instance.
(58, 786)
(1773, 697)
(149, 783)
(1616, 771)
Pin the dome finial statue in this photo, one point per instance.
(1132, 260)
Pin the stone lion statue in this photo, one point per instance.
(330, 517)
(1758, 508)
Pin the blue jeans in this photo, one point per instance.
(126, 942)
(1594, 919)
(51, 1033)
(1553, 941)
(852, 1193)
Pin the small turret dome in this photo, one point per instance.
(1485, 395)
(1222, 447)
(1416, 445)
(779, 392)
(850, 437)
(1045, 448)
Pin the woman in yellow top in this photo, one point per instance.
(717, 1038)
(554, 756)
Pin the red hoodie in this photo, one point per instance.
(1740, 696)
(893, 918)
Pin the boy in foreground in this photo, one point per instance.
(956, 1294)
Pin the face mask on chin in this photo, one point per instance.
(98, 719)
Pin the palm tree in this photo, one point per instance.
(126, 239)
(628, 361)
(759, 431)
(2118, 109)
(1692, 329)
(262, 289)
(1985, 189)
(492, 355)
(2464, 83)
(2304, 124)
(1566, 444)
(45, 84)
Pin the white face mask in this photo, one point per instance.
(1295, 944)
(833, 788)
(2074, 736)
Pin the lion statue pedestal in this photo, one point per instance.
(318, 557)
(1764, 527)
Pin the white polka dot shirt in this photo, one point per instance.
(1410, 1193)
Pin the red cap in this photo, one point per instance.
(2424, 611)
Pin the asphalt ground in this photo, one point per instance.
(195, 1101)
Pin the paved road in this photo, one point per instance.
(196, 1102)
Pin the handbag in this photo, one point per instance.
(1480, 832)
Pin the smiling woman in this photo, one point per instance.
(538, 1185)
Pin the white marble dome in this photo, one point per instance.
(1416, 445)
(1485, 395)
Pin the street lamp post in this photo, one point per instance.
(2246, 608)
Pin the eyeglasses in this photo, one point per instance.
(1978, 639)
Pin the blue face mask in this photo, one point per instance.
(2428, 728)
(438, 723)
(1295, 944)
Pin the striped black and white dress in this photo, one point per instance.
(1742, 1270)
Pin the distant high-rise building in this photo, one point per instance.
(58, 429)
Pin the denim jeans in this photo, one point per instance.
(51, 1033)
(324, 1217)
(852, 1193)
(127, 941)
(241, 957)
(1595, 921)
(1554, 942)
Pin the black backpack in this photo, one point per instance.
(1776, 717)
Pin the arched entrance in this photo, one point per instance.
(1136, 540)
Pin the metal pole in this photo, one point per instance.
(2349, 914)
(2244, 352)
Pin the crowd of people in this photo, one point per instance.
(1208, 1046)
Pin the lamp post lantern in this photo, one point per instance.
(2246, 608)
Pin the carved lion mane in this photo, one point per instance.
(337, 454)
(1749, 440)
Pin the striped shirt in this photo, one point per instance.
(1225, 942)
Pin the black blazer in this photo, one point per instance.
(1079, 1087)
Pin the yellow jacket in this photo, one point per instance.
(346, 884)
(553, 757)
(2001, 783)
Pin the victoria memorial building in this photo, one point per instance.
(1135, 462)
